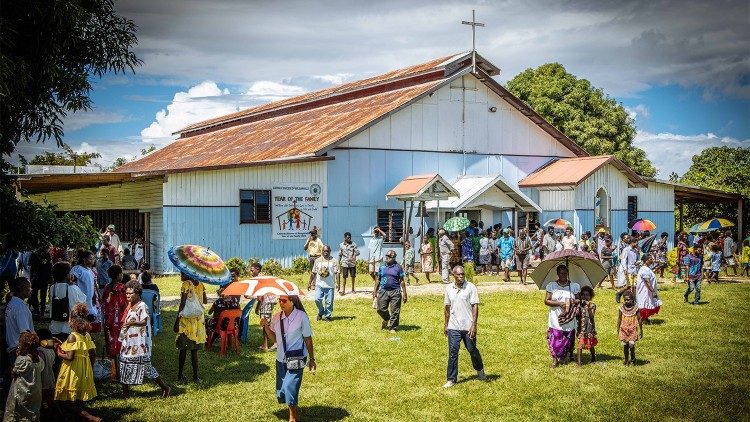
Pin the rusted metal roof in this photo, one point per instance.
(297, 136)
(572, 171)
(422, 188)
(46, 182)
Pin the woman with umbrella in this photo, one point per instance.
(296, 350)
(561, 294)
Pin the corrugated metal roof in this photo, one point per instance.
(422, 188)
(572, 171)
(471, 188)
(289, 136)
(41, 183)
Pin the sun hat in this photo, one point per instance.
(601, 230)
(111, 226)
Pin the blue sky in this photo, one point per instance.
(682, 69)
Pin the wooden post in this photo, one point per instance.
(740, 234)
(682, 212)
(514, 217)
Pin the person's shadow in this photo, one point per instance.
(315, 413)
(408, 328)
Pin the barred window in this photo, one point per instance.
(255, 206)
(392, 224)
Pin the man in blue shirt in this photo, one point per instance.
(387, 292)
(505, 243)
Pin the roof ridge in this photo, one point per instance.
(391, 77)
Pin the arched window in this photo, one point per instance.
(601, 208)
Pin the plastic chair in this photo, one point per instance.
(149, 297)
(245, 321)
(231, 333)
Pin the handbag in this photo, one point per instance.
(60, 307)
(193, 308)
(294, 359)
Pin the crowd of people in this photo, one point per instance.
(52, 369)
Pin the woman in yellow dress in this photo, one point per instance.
(75, 382)
(190, 325)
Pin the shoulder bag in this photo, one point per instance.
(294, 358)
(193, 308)
(60, 306)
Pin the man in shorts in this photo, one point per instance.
(375, 252)
(728, 253)
(348, 253)
(314, 248)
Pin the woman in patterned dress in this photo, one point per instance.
(135, 337)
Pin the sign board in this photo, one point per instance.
(296, 208)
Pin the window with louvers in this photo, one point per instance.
(392, 224)
(255, 206)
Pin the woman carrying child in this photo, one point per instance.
(629, 326)
(75, 381)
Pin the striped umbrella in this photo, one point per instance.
(456, 224)
(642, 225)
(558, 223)
(713, 224)
(262, 285)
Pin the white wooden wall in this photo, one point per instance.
(221, 187)
(658, 197)
(613, 181)
(557, 200)
(436, 123)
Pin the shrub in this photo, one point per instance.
(300, 265)
(469, 271)
(362, 267)
(238, 264)
(273, 267)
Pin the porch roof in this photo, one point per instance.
(487, 192)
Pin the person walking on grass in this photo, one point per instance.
(628, 271)
(505, 244)
(586, 329)
(292, 325)
(408, 264)
(607, 259)
(190, 325)
(560, 296)
(694, 274)
(325, 270)
(375, 252)
(446, 248)
(348, 253)
(728, 254)
(522, 251)
(425, 253)
(388, 292)
(314, 248)
(715, 263)
(460, 316)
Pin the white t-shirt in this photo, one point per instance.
(460, 301)
(332, 265)
(642, 296)
(296, 328)
(569, 242)
(17, 320)
(561, 294)
(75, 296)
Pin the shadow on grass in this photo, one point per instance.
(108, 412)
(315, 413)
(490, 378)
(702, 302)
(343, 317)
(653, 321)
(408, 328)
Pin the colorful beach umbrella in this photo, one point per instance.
(456, 224)
(199, 263)
(713, 224)
(262, 285)
(642, 225)
(583, 268)
(558, 223)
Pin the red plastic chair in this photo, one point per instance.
(231, 333)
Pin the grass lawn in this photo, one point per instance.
(694, 364)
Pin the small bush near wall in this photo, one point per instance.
(300, 265)
(273, 267)
(362, 267)
(237, 263)
(469, 271)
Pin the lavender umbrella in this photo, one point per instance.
(583, 268)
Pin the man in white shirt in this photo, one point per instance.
(445, 246)
(325, 270)
(461, 313)
(17, 316)
(569, 241)
(64, 286)
(375, 252)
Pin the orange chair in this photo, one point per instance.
(231, 333)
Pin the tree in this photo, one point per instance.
(121, 161)
(583, 112)
(48, 52)
(721, 168)
(66, 158)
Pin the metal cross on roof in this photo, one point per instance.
(474, 25)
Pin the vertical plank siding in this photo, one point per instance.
(613, 181)
(128, 195)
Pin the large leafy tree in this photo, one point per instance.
(66, 158)
(596, 122)
(49, 51)
(721, 168)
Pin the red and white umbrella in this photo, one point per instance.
(262, 285)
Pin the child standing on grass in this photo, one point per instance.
(409, 262)
(25, 395)
(629, 326)
(695, 262)
(75, 381)
(715, 263)
(745, 259)
(586, 328)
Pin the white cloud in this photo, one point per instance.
(674, 152)
(272, 91)
(639, 110)
(82, 119)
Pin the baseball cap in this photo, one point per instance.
(111, 226)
